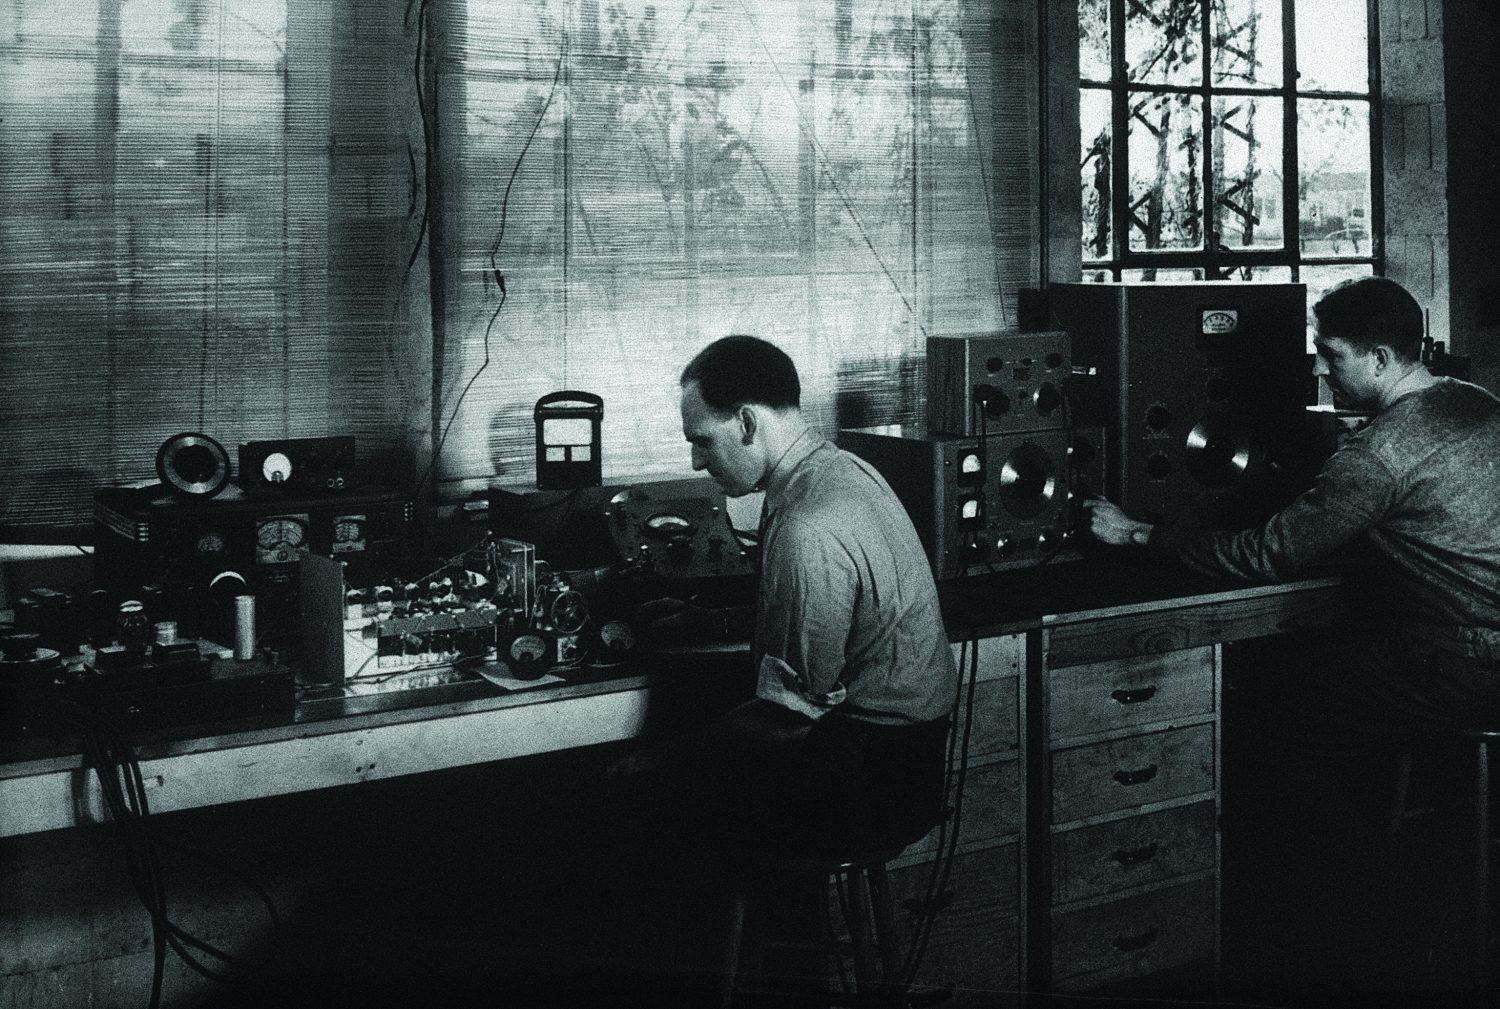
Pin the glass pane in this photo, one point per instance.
(1166, 189)
(1321, 279)
(1334, 178)
(1093, 40)
(1333, 46)
(1094, 175)
(1246, 42)
(1259, 274)
(1155, 276)
(1161, 41)
(1248, 173)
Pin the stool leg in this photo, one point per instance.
(1481, 866)
(734, 938)
(885, 922)
(1400, 790)
(859, 934)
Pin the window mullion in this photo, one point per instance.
(1209, 230)
(1377, 139)
(1291, 203)
(1119, 166)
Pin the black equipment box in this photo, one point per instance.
(997, 382)
(149, 695)
(978, 504)
(297, 466)
(150, 542)
(1201, 390)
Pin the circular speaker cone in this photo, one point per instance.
(1218, 452)
(193, 464)
(1028, 481)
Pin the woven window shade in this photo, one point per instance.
(843, 178)
(184, 243)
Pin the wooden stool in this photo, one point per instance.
(868, 916)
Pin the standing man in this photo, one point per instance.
(844, 742)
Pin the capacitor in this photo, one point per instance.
(244, 627)
(165, 631)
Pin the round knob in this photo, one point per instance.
(1047, 399)
(1158, 417)
(1004, 545)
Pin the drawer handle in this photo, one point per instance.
(1140, 777)
(1135, 696)
(1135, 856)
(1131, 943)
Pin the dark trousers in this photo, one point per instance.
(1312, 739)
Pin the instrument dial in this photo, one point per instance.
(569, 612)
(618, 640)
(211, 544)
(666, 525)
(279, 539)
(276, 468)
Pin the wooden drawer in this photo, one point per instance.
(1121, 854)
(1100, 696)
(1124, 773)
(993, 730)
(1133, 937)
(998, 657)
(993, 806)
(975, 939)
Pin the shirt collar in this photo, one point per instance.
(804, 445)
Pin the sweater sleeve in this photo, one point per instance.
(1354, 491)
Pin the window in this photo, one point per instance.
(170, 242)
(648, 175)
(1229, 139)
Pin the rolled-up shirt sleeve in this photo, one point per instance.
(1354, 491)
(809, 586)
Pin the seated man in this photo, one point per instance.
(1414, 498)
(1417, 490)
(844, 742)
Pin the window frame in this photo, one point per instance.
(1215, 260)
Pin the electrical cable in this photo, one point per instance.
(495, 274)
(953, 784)
(943, 863)
(122, 788)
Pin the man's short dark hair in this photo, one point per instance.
(735, 370)
(1370, 312)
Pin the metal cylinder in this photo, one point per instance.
(244, 627)
(166, 632)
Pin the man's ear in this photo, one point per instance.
(748, 423)
(1383, 356)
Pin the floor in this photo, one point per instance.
(504, 887)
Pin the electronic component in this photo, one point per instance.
(181, 685)
(193, 465)
(996, 382)
(297, 466)
(976, 509)
(1200, 388)
(677, 539)
(168, 550)
(568, 440)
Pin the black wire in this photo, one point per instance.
(122, 788)
(942, 865)
(499, 277)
